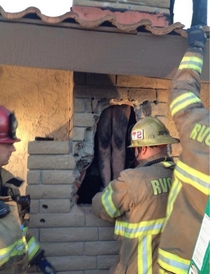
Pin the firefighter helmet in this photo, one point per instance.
(8, 126)
(150, 131)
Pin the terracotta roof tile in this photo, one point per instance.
(92, 17)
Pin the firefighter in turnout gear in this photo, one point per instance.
(191, 182)
(18, 248)
(136, 200)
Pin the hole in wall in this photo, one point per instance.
(45, 206)
(119, 118)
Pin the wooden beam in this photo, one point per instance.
(95, 51)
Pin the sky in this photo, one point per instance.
(182, 9)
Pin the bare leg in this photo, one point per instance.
(104, 130)
(120, 118)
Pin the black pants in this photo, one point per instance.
(199, 16)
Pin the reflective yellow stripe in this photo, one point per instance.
(168, 164)
(145, 255)
(193, 177)
(191, 62)
(162, 271)
(18, 248)
(135, 230)
(172, 263)
(108, 204)
(175, 189)
(33, 247)
(183, 101)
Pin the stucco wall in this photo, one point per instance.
(42, 103)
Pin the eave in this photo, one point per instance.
(79, 41)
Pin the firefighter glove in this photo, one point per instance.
(46, 267)
(196, 37)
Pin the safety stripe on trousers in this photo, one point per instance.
(172, 263)
(145, 255)
(191, 62)
(108, 204)
(33, 247)
(183, 101)
(193, 177)
(135, 230)
(18, 248)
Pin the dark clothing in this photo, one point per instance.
(199, 12)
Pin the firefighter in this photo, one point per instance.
(136, 200)
(18, 248)
(191, 181)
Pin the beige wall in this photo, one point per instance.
(42, 103)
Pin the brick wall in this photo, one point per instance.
(153, 6)
(76, 241)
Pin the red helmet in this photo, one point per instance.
(8, 126)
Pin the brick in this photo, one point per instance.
(100, 93)
(91, 105)
(55, 206)
(102, 248)
(74, 263)
(33, 177)
(176, 150)
(34, 271)
(34, 232)
(142, 95)
(95, 272)
(92, 220)
(34, 206)
(55, 220)
(69, 234)
(63, 249)
(73, 218)
(79, 133)
(76, 148)
(142, 82)
(51, 162)
(83, 119)
(79, 105)
(162, 96)
(205, 93)
(106, 261)
(160, 109)
(89, 135)
(170, 126)
(48, 147)
(106, 233)
(50, 191)
(58, 177)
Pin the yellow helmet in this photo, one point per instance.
(150, 131)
